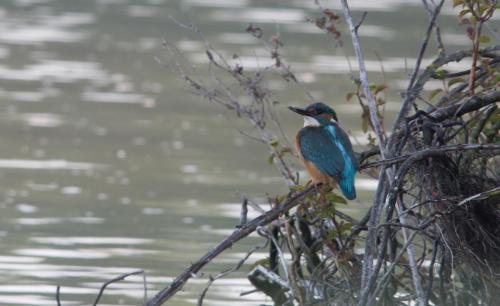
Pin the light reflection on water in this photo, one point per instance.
(47, 164)
(109, 166)
(328, 64)
(46, 221)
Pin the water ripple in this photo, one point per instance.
(91, 240)
(51, 164)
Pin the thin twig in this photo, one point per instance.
(227, 272)
(244, 212)
(431, 270)
(473, 103)
(166, 293)
(478, 196)
(114, 280)
(360, 22)
(411, 91)
(480, 126)
(381, 283)
(429, 71)
(58, 297)
(446, 148)
(439, 40)
(372, 104)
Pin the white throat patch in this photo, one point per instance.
(310, 121)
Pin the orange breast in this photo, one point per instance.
(316, 175)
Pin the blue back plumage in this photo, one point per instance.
(330, 149)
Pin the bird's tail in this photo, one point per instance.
(347, 187)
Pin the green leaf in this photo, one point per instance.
(483, 8)
(489, 132)
(270, 159)
(285, 150)
(261, 262)
(455, 81)
(441, 72)
(371, 139)
(380, 88)
(457, 2)
(364, 124)
(434, 93)
(495, 116)
(484, 39)
(345, 227)
(462, 13)
(327, 211)
(297, 187)
(331, 234)
(281, 198)
(274, 143)
(335, 198)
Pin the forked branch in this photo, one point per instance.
(239, 233)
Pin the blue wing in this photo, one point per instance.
(330, 149)
(344, 141)
(317, 146)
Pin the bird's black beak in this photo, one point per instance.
(298, 110)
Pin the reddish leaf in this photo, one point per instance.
(471, 32)
(331, 14)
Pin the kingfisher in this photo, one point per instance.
(325, 149)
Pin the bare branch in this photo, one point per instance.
(473, 103)
(372, 105)
(58, 297)
(478, 196)
(227, 272)
(447, 148)
(410, 91)
(166, 293)
(360, 22)
(114, 280)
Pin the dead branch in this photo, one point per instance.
(245, 230)
(58, 297)
(447, 148)
(117, 279)
(212, 279)
(372, 105)
(472, 104)
(408, 97)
